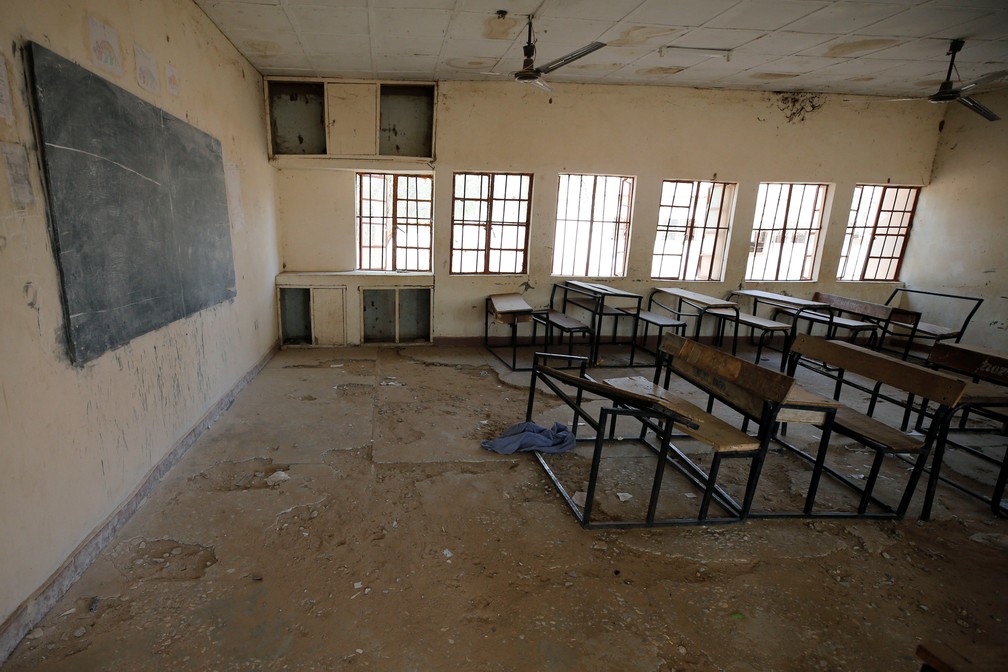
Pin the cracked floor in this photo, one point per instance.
(341, 515)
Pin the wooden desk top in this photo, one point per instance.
(509, 308)
(782, 299)
(602, 290)
(699, 300)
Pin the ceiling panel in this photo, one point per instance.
(872, 47)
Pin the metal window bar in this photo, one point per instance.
(490, 216)
(785, 239)
(592, 225)
(877, 232)
(683, 249)
(394, 214)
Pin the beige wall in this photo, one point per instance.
(651, 133)
(77, 441)
(960, 240)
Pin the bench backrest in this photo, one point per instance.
(954, 309)
(878, 311)
(741, 384)
(973, 360)
(897, 373)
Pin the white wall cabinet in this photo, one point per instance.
(350, 119)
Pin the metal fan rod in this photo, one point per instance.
(573, 56)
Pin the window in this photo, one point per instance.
(490, 215)
(592, 225)
(693, 223)
(394, 222)
(785, 236)
(880, 221)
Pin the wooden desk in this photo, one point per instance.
(701, 303)
(510, 309)
(761, 395)
(794, 306)
(598, 309)
(981, 364)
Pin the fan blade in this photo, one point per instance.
(538, 82)
(978, 108)
(986, 79)
(570, 58)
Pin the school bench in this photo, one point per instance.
(660, 315)
(759, 394)
(857, 318)
(883, 438)
(936, 333)
(555, 319)
(657, 410)
(598, 300)
(986, 373)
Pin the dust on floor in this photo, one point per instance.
(342, 515)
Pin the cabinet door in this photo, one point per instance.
(352, 119)
(328, 321)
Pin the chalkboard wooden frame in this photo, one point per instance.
(137, 207)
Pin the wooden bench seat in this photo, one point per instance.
(562, 322)
(856, 424)
(709, 429)
(884, 439)
(650, 319)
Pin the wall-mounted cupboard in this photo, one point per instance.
(350, 119)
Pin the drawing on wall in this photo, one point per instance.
(171, 79)
(6, 104)
(104, 42)
(146, 69)
(18, 178)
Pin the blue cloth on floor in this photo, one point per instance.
(527, 436)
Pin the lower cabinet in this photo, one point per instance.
(312, 315)
(396, 315)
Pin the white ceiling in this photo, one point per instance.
(873, 47)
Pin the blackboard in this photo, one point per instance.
(137, 206)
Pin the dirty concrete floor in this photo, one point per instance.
(342, 515)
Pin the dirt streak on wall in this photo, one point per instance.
(78, 440)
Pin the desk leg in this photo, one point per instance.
(819, 463)
(999, 488)
(514, 344)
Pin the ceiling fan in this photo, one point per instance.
(531, 74)
(949, 92)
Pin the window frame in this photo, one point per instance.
(589, 240)
(689, 249)
(396, 227)
(864, 256)
(764, 240)
(488, 226)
